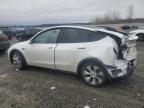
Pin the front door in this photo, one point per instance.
(40, 52)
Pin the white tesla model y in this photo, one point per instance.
(96, 54)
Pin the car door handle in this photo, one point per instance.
(81, 48)
(49, 47)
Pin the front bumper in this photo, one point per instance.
(123, 69)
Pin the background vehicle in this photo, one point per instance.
(26, 34)
(139, 33)
(127, 28)
(94, 54)
(9, 34)
(131, 29)
(4, 42)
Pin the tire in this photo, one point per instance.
(93, 74)
(140, 37)
(18, 60)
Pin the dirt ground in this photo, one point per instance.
(44, 88)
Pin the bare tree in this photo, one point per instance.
(116, 16)
(108, 17)
(130, 12)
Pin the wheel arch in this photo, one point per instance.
(141, 33)
(92, 59)
(12, 52)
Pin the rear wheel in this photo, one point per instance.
(93, 74)
(18, 60)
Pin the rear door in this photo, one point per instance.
(71, 48)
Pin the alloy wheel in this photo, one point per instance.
(93, 75)
(17, 60)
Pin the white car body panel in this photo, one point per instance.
(40, 55)
(36, 54)
(69, 55)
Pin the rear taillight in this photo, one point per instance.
(9, 37)
(124, 47)
(4, 38)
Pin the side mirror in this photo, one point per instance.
(30, 42)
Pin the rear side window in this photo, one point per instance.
(74, 35)
(95, 36)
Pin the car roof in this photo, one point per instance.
(85, 27)
(71, 26)
(88, 27)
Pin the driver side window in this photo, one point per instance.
(49, 36)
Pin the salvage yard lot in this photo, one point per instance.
(44, 88)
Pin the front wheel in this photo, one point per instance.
(18, 60)
(93, 74)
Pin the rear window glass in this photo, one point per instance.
(95, 36)
(73, 35)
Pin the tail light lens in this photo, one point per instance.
(3, 36)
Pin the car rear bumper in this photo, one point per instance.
(123, 69)
(4, 46)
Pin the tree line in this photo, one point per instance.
(115, 18)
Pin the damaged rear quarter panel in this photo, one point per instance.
(103, 50)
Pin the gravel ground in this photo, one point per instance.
(44, 88)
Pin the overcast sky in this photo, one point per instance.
(17, 12)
